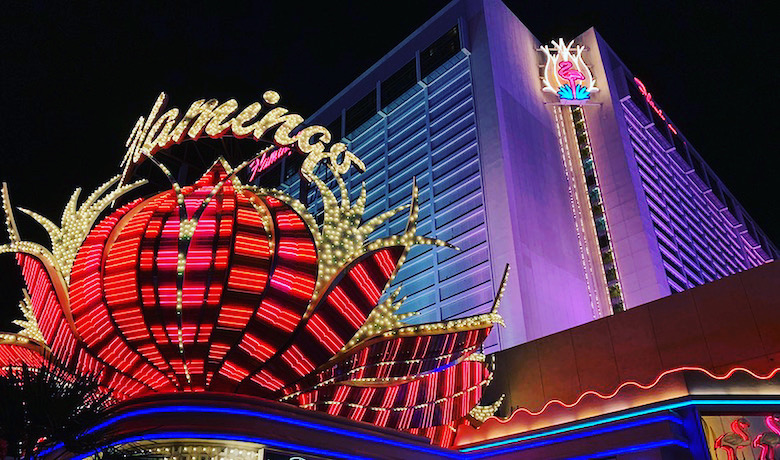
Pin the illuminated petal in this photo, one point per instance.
(263, 354)
(52, 321)
(407, 353)
(16, 351)
(439, 398)
(336, 318)
(99, 329)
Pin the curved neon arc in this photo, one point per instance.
(276, 418)
(185, 435)
(637, 385)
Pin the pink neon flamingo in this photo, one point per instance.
(567, 71)
(769, 440)
(736, 439)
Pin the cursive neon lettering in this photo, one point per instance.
(267, 160)
(156, 132)
(649, 98)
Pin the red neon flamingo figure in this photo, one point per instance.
(737, 438)
(768, 440)
(567, 71)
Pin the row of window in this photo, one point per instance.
(391, 90)
(429, 136)
(696, 239)
(597, 208)
(667, 138)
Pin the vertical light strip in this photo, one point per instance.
(576, 209)
(598, 212)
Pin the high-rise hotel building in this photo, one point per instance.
(594, 198)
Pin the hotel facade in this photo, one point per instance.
(366, 281)
(598, 206)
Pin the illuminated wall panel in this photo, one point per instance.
(428, 133)
(699, 239)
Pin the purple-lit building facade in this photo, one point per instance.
(597, 207)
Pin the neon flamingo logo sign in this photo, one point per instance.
(566, 73)
(744, 436)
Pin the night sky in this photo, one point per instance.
(75, 76)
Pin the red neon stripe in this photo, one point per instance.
(256, 347)
(288, 220)
(324, 334)
(289, 281)
(297, 360)
(272, 312)
(366, 285)
(385, 262)
(267, 380)
(346, 307)
(297, 249)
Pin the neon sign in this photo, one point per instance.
(651, 103)
(735, 440)
(566, 73)
(223, 286)
(747, 433)
(157, 132)
(267, 160)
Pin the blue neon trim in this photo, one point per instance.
(609, 429)
(51, 449)
(266, 442)
(616, 418)
(276, 418)
(636, 448)
(439, 452)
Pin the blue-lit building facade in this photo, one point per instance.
(626, 250)
(597, 207)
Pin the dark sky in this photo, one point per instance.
(75, 76)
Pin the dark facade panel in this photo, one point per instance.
(439, 52)
(398, 83)
(361, 112)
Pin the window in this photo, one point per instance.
(699, 167)
(594, 196)
(731, 205)
(292, 164)
(679, 145)
(590, 179)
(660, 125)
(398, 83)
(751, 229)
(636, 96)
(360, 113)
(442, 49)
(335, 129)
(601, 225)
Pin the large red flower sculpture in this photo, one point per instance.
(224, 287)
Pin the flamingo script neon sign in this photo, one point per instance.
(159, 131)
(267, 160)
(651, 103)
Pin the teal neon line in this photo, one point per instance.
(616, 418)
